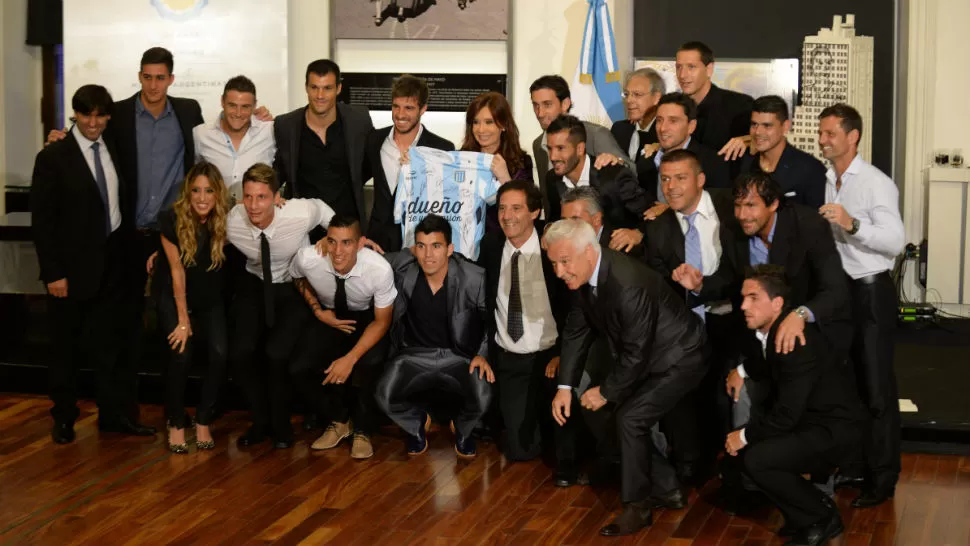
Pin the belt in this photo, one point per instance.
(871, 279)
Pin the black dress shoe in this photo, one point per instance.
(787, 530)
(252, 437)
(62, 433)
(311, 422)
(566, 474)
(819, 533)
(633, 518)
(873, 497)
(283, 443)
(673, 500)
(126, 426)
(843, 480)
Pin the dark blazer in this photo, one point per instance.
(649, 329)
(598, 140)
(382, 228)
(721, 116)
(356, 125)
(638, 251)
(490, 258)
(808, 388)
(621, 198)
(623, 133)
(804, 246)
(665, 252)
(121, 130)
(466, 303)
(716, 171)
(801, 176)
(68, 216)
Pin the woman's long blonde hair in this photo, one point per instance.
(187, 222)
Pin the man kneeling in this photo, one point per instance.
(438, 338)
(813, 424)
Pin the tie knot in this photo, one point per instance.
(690, 218)
(516, 254)
(96, 146)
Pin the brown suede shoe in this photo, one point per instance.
(361, 448)
(333, 435)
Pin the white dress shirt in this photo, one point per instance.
(214, 145)
(583, 176)
(763, 338)
(871, 197)
(110, 175)
(370, 280)
(391, 157)
(709, 228)
(538, 323)
(287, 234)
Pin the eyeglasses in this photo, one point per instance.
(634, 94)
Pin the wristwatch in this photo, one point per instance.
(855, 227)
(802, 312)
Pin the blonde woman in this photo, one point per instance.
(188, 289)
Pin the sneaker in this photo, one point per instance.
(361, 448)
(332, 436)
(419, 444)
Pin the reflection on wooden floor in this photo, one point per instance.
(118, 490)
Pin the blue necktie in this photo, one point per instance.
(692, 251)
(102, 182)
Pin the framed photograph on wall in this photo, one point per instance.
(421, 19)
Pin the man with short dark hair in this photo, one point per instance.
(862, 206)
(266, 304)
(387, 149)
(80, 227)
(439, 337)
(801, 176)
(351, 293)
(238, 139)
(811, 424)
(551, 99)
(320, 146)
(583, 203)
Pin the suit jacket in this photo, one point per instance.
(649, 329)
(621, 198)
(356, 125)
(490, 258)
(808, 387)
(638, 251)
(382, 228)
(121, 130)
(623, 133)
(722, 115)
(68, 216)
(598, 140)
(716, 170)
(801, 176)
(804, 246)
(665, 252)
(467, 309)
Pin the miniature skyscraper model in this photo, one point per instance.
(836, 67)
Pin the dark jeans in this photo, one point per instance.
(88, 332)
(209, 325)
(354, 400)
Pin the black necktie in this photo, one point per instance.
(340, 307)
(515, 328)
(102, 182)
(264, 258)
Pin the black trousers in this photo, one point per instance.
(208, 325)
(776, 466)
(874, 313)
(141, 246)
(354, 400)
(525, 397)
(644, 470)
(263, 376)
(415, 370)
(89, 332)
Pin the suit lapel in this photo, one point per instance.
(675, 237)
(453, 274)
(295, 132)
(781, 243)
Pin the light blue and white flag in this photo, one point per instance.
(596, 91)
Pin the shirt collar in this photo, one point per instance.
(594, 280)
(140, 108)
(705, 207)
(762, 337)
(660, 152)
(354, 271)
(774, 224)
(636, 125)
(854, 168)
(583, 176)
(417, 137)
(83, 141)
(529, 248)
(270, 229)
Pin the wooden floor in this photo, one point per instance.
(112, 490)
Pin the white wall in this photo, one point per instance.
(20, 95)
(952, 75)
(309, 38)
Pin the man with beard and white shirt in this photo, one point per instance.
(387, 149)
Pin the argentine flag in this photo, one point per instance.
(596, 91)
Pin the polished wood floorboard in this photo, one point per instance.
(106, 489)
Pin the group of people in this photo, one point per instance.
(685, 290)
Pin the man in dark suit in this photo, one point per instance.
(801, 176)
(80, 233)
(813, 423)
(583, 203)
(691, 246)
(723, 116)
(387, 147)
(320, 146)
(439, 337)
(658, 347)
(551, 99)
(527, 307)
(641, 94)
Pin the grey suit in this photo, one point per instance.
(599, 140)
(413, 369)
